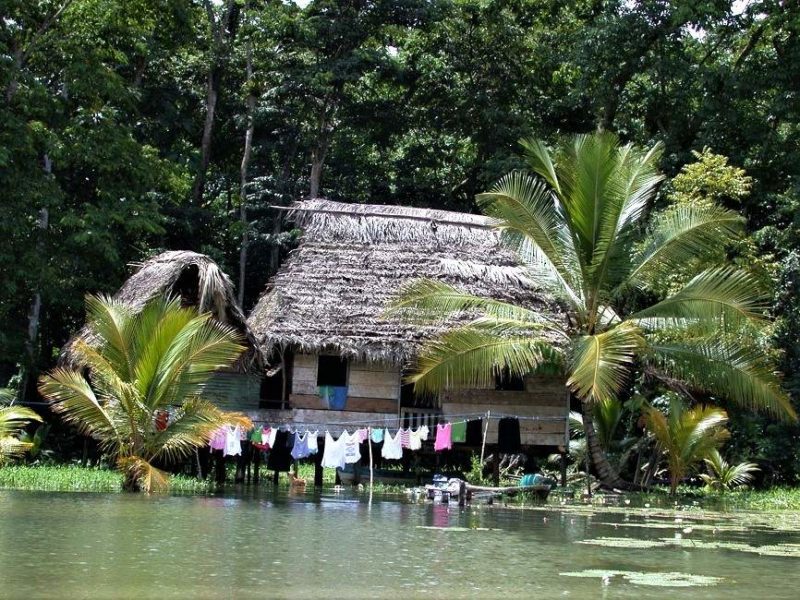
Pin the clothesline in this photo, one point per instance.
(457, 418)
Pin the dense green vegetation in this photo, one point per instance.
(72, 478)
(127, 127)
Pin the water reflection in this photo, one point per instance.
(271, 544)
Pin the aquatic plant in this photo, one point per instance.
(724, 477)
(657, 579)
(578, 222)
(74, 478)
(143, 367)
(686, 435)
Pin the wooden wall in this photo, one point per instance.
(234, 391)
(371, 387)
(543, 397)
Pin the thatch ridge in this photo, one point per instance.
(215, 294)
(331, 293)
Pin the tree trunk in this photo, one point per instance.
(35, 311)
(317, 162)
(199, 186)
(605, 472)
(248, 146)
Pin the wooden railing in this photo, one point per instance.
(416, 417)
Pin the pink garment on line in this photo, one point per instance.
(405, 438)
(443, 437)
(218, 439)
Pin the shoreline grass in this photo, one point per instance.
(74, 478)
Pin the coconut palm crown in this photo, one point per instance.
(140, 366)
(579, 223)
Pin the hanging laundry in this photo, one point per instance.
(233, 441)
(415, 439)
(392, 449)
(352, 452)
(458, 432)
(443, 439)
(280, 455)
(271, 435)
(475, 432)
(377, 435)
(312, 442)
(326, 394)
(405, 438)
(333, 454)
(363, 434)
(300, 448)
(508, 439)
(423, 432)
(338, 398)
(217, 441)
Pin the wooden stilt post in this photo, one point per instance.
(369, 443)
(485, 431)
(563, 469)
(219, 468)
(275, 476)
(256, 466)
(318, 466)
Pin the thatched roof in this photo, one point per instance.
(331, 293)
(199, 281)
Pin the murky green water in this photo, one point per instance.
(336, 546)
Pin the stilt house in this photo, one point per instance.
(321, 322)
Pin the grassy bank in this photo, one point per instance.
(73, 478)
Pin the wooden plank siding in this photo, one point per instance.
(544, 397)
(233, 391)
(371, 387)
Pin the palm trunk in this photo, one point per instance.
(605, 472)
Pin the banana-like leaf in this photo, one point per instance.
(601, 363)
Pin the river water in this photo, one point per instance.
(272, 545)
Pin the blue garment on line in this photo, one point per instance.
(338, 399)
(377, 435)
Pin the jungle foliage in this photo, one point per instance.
(123, 127)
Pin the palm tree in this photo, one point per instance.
(12, 420)
(139, 366)
(722, 476)
(579, 224)
(686, 436)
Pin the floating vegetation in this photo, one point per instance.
(680, 524)
(657, 579)
(457, 528)
(786, 549)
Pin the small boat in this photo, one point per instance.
(351, 475)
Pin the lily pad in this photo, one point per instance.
(656, 579)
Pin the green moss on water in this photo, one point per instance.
(786, 550)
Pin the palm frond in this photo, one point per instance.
(681, 234)
(473, 355)
(202, 348)
(720, 295)
(601, 363)
(430, 300)
(14, 418)
(541, 161)
(737, 371)
(110, 321)
(73, 397)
